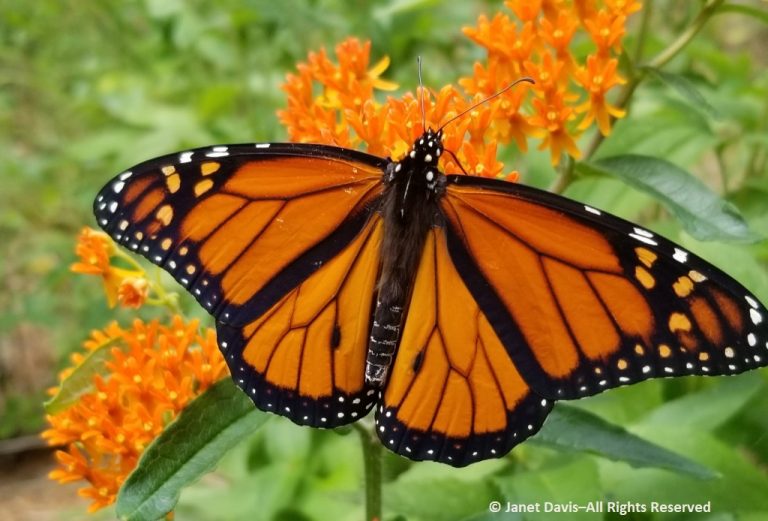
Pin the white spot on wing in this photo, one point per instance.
(680, 255)
(217, 152)
(644, 239)
(752, 302)
(755, 316)
(125, 175)
(118, 187)
(262, 145)
(592, 210)
(644, 233)
(185, 157)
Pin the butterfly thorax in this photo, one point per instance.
(413, 186)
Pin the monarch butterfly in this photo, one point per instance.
(461, 308)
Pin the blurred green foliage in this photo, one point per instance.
(89, 88)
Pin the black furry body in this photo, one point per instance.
(409, 209)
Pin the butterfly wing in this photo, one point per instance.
(280, 244)
(454, 394)
(584, 301)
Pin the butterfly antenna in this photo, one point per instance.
(421, 88)
(486, 100)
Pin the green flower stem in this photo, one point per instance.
(117, 252)
(565, 174)
(372, 467)
(643, 31)
(678, 45)
(757, 155)
(637, 74)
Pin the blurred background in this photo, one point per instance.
(89, 88)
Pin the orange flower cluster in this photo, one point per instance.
(96, 250)
(152, 372)
(334, 103)
(345, 112)
(569, 94)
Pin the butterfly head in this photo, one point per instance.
(418, 171)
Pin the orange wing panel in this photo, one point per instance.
(515, 269)
(305, 357)
(454, 395)
(290, 177)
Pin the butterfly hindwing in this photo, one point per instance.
(585, 301)
(305, 357)
(454, 394)
(240, 225)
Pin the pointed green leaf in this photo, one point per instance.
(188, 448)
(575, 429)
(704, 214)
(684, 87)
(710, 408)
(80, 380)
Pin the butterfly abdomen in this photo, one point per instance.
(409, 210)
(385, 332)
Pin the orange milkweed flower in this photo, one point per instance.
(597, 78)
(96, 250)
(625, 7)
(606, 30)
(558, 34)
(525, 10)
(552, 119)
(152, 373)
(133, 292)
(343, 86)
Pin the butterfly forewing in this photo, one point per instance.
(239, 226)
(585, 301)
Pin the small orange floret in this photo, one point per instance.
(133, 292)
(597, 78)
(94, 249)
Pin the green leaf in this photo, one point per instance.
(439, 498)
(710, 408)
(188, 448)
(576, 429)
(684, 87)
(741, 484)
(704, 214)
(558, 483)
(80, 380)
